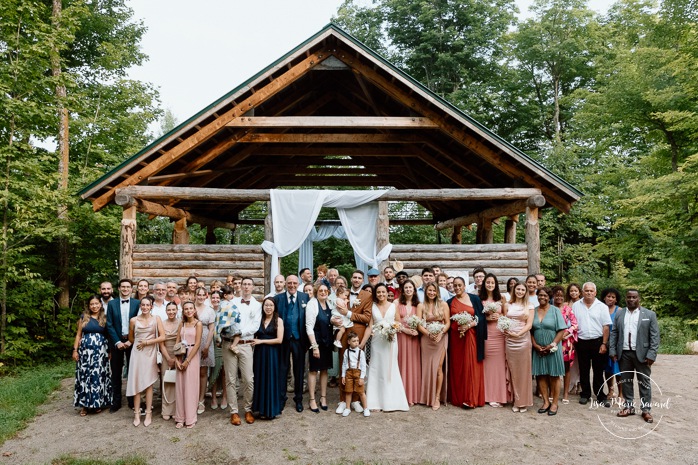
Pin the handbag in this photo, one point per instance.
(179, 349)
(170, 376)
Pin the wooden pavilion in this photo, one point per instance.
(330, 113)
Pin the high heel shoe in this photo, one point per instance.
(324, 407)
(148, 418)
(137, 419)
(315, 410)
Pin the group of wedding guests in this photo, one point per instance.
(391, 343)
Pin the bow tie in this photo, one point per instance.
(351, 350)
(124, 301)
(246, 302)
(353, 293)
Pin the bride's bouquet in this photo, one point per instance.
(492, 307)
(413, 321)
(386, 330)
(464, 318)
(504, 324)
(434, 327)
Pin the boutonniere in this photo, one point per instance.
(304, 305)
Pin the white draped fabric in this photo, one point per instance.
(294, 213)
(325, 231)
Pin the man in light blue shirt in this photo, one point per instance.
(427, 278)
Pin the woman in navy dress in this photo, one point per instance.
(93, 390)
(267, 344)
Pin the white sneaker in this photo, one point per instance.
(346, 412)
(337, 344)
(357, 406)
(367, 413)
(340, 408)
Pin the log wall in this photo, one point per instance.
(166, 262)
(504, 260)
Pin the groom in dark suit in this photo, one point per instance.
(634, 343)
(119, 314)
(291, 306)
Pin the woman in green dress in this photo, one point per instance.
(548, 329)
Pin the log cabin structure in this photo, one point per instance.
(330, 113)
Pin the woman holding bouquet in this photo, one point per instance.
(518, 347)
(384, 390)
(434, 343)
(548, 329)
(466, 379)
(496, 371)
(409, 354)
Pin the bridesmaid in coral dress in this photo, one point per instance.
(187, 385)
(497, 381)
(434, 347)
(519, 348)
(409, 356)
(466, 379)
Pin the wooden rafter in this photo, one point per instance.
(329, 138)
(509, 209)
(354, 122)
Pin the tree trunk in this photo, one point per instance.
(63, 281)
(3, 260)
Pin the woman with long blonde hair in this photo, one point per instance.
(433, 311)
(518, 347)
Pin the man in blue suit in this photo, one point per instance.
(119, 314)
(291, 305)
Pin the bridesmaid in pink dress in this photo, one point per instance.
(497, 389)
(519, 347)
(409, 357)
(187, 384)
(143, 373)
(434, 347)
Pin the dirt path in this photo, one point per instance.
(577, 434)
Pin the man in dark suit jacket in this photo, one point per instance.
(634, 342)
(291, 306)
(119, 314)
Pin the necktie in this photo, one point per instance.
(630, 344)
(293, 300)
(124, 301)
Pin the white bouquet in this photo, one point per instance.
(413, 321)
(492, 308)
(553, 349)
(386, 330)
(504, 324)
(435, 327)
(464, 318)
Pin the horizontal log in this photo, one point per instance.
(186, 257)
(513, 208)
(152, 208)
(252, 195)
(502, 273)
(462, 265)
(354, 122)
(198, 248)
(210, 265)
(447, 248)
(329, 138)
(204, 274)
(393, 222)
(457, 256)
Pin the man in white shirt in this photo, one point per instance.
(279, 286)
(427, 278)
(478, 278)
(357, 282)
(389, 275)
(107, 293)
(160, 292)
(250, 319)
(306, 277)
(634, 343)
(593, 323)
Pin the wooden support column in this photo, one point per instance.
(210, 235)
(487, 233)
(382, 230)
(268, 236)
(532, 239)
(510, 229)
(128, 239)
(456, 237)
(180, 235)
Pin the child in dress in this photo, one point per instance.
(229, 323)
(341, 302)
(354, 374)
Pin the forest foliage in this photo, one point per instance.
(608, 102)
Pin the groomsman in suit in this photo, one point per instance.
(119, 314)
(634, 343)
(291, 305)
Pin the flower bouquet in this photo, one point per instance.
(386, 330)
(413, 321)
(434, 327)
(553, 349)
(504, 324)
(463, 319)
(492, 307)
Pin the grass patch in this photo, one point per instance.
(674, 333)
(22, 392)
(70, 460)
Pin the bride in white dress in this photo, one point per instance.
(384, 389)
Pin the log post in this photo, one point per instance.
(532, 238)
(456, 237)
(210, 235)
(128, 239)
(510, 229)
(382, 231)
(268, 236)
(180, 235)
(487, 233)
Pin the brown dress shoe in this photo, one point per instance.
(235, 419)
(249, 418)
(626, 412)
(647, 417)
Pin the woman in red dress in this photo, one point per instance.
(466, 378)
(409, 356)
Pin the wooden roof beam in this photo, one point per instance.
(318, 122)
(329, 138)
(509, 209)
(155, 209)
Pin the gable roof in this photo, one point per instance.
(331, 112)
